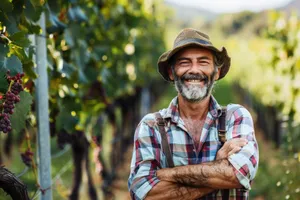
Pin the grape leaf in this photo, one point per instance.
(20, 39)
(76, 14)
(3, 81)
(80, 15)
(3, 52)
(21, 110)
(29, 70)
(82, 77)
(13, 64)
(69, 37)
(19, 52)
(66, 121)
(55, 25)
(6, 6)
(68, 69)
(28, 26)
(32, 12)
(10, 22)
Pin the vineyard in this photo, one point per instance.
(76, 76)
(96, 61)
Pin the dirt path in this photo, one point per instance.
(120, 189)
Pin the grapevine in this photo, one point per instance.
(10, 99)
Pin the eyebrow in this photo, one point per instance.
(198, 58)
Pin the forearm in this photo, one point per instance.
(174, 191)
(218, 174)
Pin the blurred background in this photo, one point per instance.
(102, 78)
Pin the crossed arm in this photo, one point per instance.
(195, 181)
(175, 191)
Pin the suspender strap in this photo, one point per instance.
(222, 126)
(222, 139)
(164, 140)
(225, 117)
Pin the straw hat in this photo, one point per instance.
(191, 37)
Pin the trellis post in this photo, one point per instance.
(42, 111)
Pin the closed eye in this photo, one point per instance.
(184, 63)
(204, 62)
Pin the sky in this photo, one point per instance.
(223, 6)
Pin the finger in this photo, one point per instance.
(230, 145)
(241, 143)
(237, 142)
(234, 150)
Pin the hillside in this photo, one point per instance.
(292, 6)
(187, 14)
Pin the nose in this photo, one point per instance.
(195, 68)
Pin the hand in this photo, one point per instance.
(230, 147)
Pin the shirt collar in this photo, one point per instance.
(214, 108)
(172, 112)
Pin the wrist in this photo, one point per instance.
(164, 174)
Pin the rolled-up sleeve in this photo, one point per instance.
(145, 162)
(245, 162)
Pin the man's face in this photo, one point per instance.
(194, 73)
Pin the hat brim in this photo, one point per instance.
(164, 60)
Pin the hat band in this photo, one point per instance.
(192, 40)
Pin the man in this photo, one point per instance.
(202, 166)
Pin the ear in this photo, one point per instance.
(170, 73)
(218, 74)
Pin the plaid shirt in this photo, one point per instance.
(148, 157)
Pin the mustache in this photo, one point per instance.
(195, 77)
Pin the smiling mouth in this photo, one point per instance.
(195, 81)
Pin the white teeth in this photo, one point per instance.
(193, 80)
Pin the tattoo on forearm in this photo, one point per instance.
(198, 176)
(182, 191)
(189, 179)
(179, 191)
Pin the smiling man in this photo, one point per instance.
(181, 152)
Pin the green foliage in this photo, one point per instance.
(265, 63)
(223, 92)
(21, 111)
(3, 81)
(3, 59)
(6, 6)
(244, 24)
(65, 120)
(97, 53)
(13, 64)
(14, 26)
(86, 44)
(20, 39)
(237, 22)
(275, 58)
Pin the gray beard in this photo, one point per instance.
(194, 93)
